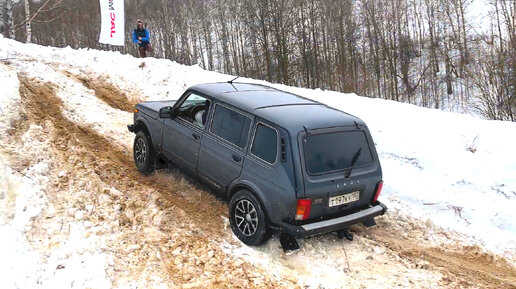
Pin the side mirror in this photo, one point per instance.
(166, 112)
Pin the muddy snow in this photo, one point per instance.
(74, 212)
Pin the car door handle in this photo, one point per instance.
(237, 158)
(196, 136)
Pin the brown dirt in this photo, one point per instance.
(200, 258)
(462, 266)
(106, 91)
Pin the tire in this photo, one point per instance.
(143, 152)
(247, 219)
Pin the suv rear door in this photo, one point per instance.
(326, 157)
(223, 148)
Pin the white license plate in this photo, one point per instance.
(344, 199)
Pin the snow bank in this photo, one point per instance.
(454, 170)
(448, 167)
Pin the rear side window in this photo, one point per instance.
(265, 143)
(231, 125)
(331, 152)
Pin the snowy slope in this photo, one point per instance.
(452, 170)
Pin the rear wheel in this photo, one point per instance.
(247, 218)
(143, 152)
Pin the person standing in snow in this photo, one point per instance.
(142, 37)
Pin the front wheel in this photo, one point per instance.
(247, 219)
(143, 153)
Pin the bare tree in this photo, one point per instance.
(10, 18)
(418, 51)
(2, 20)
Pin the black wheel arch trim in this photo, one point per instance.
(141, 123)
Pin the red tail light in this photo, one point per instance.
(303, 209)
(378, 190)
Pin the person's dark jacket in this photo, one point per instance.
(144, 34)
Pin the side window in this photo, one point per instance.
(194, 109)
(230, 125)
(265, 143)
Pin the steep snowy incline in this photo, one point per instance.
(438, 165)
(73, 207)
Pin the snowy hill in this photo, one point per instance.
(74, 212)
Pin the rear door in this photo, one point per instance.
(223, 147)
(327, 157)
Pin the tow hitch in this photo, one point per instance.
(345, 233)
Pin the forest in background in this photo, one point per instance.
(432, 53)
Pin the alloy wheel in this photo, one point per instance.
(140, 152)
(246, 217)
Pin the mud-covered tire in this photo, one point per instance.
(247, 218)
(143, 152)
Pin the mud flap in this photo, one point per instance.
(288, 242)
(370, 223)
(161, 162)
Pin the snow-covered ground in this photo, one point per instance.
(448, 179)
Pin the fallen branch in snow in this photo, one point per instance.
(473, 146)
(458, 212)
(17, 171)
(347, 261)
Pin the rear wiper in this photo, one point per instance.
(355, 159)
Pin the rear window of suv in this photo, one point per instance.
(330, 152)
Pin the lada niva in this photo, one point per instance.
(286, 163)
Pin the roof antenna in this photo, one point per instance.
(231, 81)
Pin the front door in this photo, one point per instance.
(223, 148)
(182, 135)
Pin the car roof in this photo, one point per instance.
(286, 109)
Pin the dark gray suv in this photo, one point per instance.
(287, 163)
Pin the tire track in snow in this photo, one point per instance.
(466, 266)
(186, 254)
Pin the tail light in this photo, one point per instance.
(303, 209)
(378, 190)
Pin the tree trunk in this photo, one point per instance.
(2, 24)
(10, 18)
(27, 21)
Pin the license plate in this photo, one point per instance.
(344, 199)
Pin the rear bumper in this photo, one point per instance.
(335, 224)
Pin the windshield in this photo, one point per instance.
(332, 152)
(191, 101)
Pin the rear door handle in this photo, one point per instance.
(237, 158)
(196, 136)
